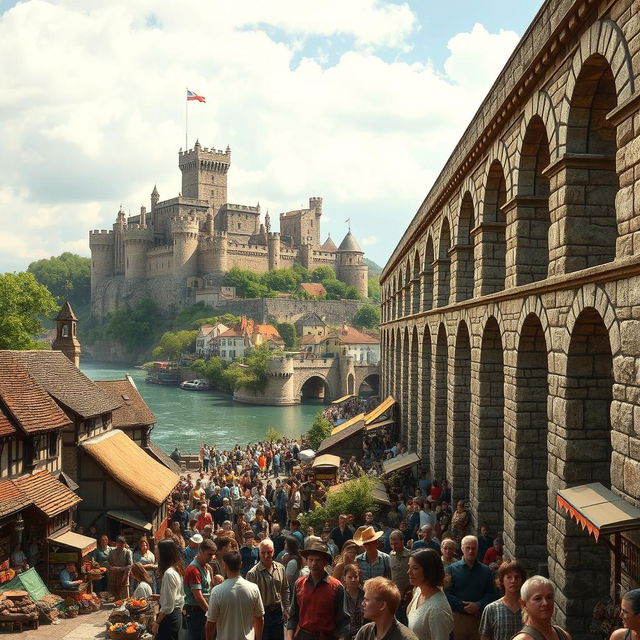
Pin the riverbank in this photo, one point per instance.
(186, 418)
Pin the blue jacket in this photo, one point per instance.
(470, 584)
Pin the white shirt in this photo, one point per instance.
(233, 605)
(433, 619)
(171, 591)
(143, 591)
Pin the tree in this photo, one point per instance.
(67, 276)
(174, 343)
(351, 293)
(335, 289)
(212, 370)
(273, 435)
(137, 328)
(320, 429)
(320, 274)
(24, 304)
(373, 291)
(288, 333)
(367, 316)
(252, 373)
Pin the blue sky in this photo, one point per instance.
(359, 102)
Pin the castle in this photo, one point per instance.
(190, 241)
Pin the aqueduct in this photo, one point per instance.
(511, 306)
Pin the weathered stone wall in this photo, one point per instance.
(511, 306)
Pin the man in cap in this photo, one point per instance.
(373, 563)
(318, 609)
(192, 549)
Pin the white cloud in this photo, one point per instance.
(93, 112)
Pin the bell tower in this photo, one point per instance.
(66, 336)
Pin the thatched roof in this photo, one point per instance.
(131, 467)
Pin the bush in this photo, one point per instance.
(320, 429)
(367, 316)
(273, 435)
(288, 333)
(355, 497)
(174, 343)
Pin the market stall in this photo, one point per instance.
(326, 467)
(400, 463)
(67, 546)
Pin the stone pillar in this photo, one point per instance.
(461, 272)
(416, 297)
(441, 278)
(427, 287)
(489, 256)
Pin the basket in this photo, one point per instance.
(72, 613)
(114, 635)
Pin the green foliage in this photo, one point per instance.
(24, 304)
(351, 293)
(137, 328)
(288, 333)
(320, 274)
(273, 435)
(355, 497)
(228, 319)
(174, 343)
(373, 291)
(67, 276)
(241, 279)
(367, 316)
(284, 280)
(335, 289)
(212, 369)
(251, 372)
(320, 429)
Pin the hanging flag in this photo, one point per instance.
(348, 220)
(194, 96)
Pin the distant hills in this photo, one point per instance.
(374, 268)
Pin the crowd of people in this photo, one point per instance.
(236, 563)
(336, 413)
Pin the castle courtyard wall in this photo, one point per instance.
(511, 306)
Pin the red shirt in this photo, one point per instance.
(319, 608)
(203, 520)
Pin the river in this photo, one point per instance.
(185, 419)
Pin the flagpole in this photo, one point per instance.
(186, 124)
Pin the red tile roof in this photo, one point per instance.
(47, 494)
(6, 427)
(12, 499)
(24, 400)
(313, 288)
(349, 335)
(134, 411)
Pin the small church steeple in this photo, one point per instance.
(66, 336)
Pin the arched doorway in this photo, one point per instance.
(493, 245)
(370, 386)
(351, 384)
(464, 250)
(314, 389)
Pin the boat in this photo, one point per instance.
(164, 373)
(196, 385)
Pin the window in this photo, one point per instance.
(224, 354)
(53, 444)
(65, 330)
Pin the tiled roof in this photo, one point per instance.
(313, 288)
(6, 428)
(349, 243)
(158, 454)
(310, 320)
(23, 399)
(66, 383)
(329, 245)
(311, 339)
(349, 335)
(48, 494)
(232, 333)
(66, 313)
(11, 498)
(134, 410)
(131, 467)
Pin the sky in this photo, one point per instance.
(358, 101)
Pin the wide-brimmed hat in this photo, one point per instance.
(317, 548)
(366, 534)
(197, 538)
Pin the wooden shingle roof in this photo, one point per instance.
(24, 401)
(12, 499)
(133, 411)
(48, 494)
(66, 383)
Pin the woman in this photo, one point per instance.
(353, 597)
(537, 599)
(448, 547)
(292, 560)
(170, 570)
(460, 521)
(148, 560)
(100, 556)
(429, 612)
(175, 528)
(143, 589)
(348, 556)
(260, 525)
(630, 614)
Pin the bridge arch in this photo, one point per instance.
(315, 385)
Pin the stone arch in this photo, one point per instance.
(427, 275)
(406, 289)
(443, 263)
(491, 245)
(539, 105)
(500, 154)
(460, 428)
(415, 284)
(327, 392)
(463, 247)
(604, 38)
(533, 306)
(423, 445)
(404, 403)
(389, 384)
(487, 433)
(439, 410)
(414, 382)
(372, 380)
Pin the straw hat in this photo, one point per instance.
(366, 534)
(317, 548)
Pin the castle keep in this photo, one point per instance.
(190, 241)
(511, 306)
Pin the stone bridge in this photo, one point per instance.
(293, 378)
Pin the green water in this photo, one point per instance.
(185, 419)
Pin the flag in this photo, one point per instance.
(194, 96)
(348, 220)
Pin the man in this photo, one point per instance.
(373, 563)
(281, 500)
(399, 564)
(198, 583)
(318, 601)
(427, 540)
(272, 582)
(381, 599)
(248, 553)
(296, 533)
(502, 619)
(342, 532)
(413, 519)
(331, 545)
(192, 548)
(294, 503)
(370, 522)
(215, 503)
(119, 562)
(204, 518)
(181, 516)
(176, 456)
(235, 608)
(471, 589)
(277, 538)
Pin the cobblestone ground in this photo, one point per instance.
(85, 627)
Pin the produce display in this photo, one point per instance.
(126, 631)
(47, 607)
(17, 606)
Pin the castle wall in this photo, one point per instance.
(160, 261)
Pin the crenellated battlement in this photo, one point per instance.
(101, 237)
(205, 159)
(280, 367)
(244, 208)
(185, 224)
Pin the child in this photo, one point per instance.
(353, 595)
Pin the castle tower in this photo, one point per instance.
(184, 231)
(204, 174)
(273, 249)
(118, 232)
(155, 196)
(315, 204)
(66, 335)
(137, 240)
(101, 243)
(350, 266)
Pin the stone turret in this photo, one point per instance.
(350, 266)
(155, 196)
(273, 248)
(184, 231)
(66, 334)
(204, 174)
(137, 240)
(101, 243)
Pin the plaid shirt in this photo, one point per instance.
(498, 622)
(354, 609)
